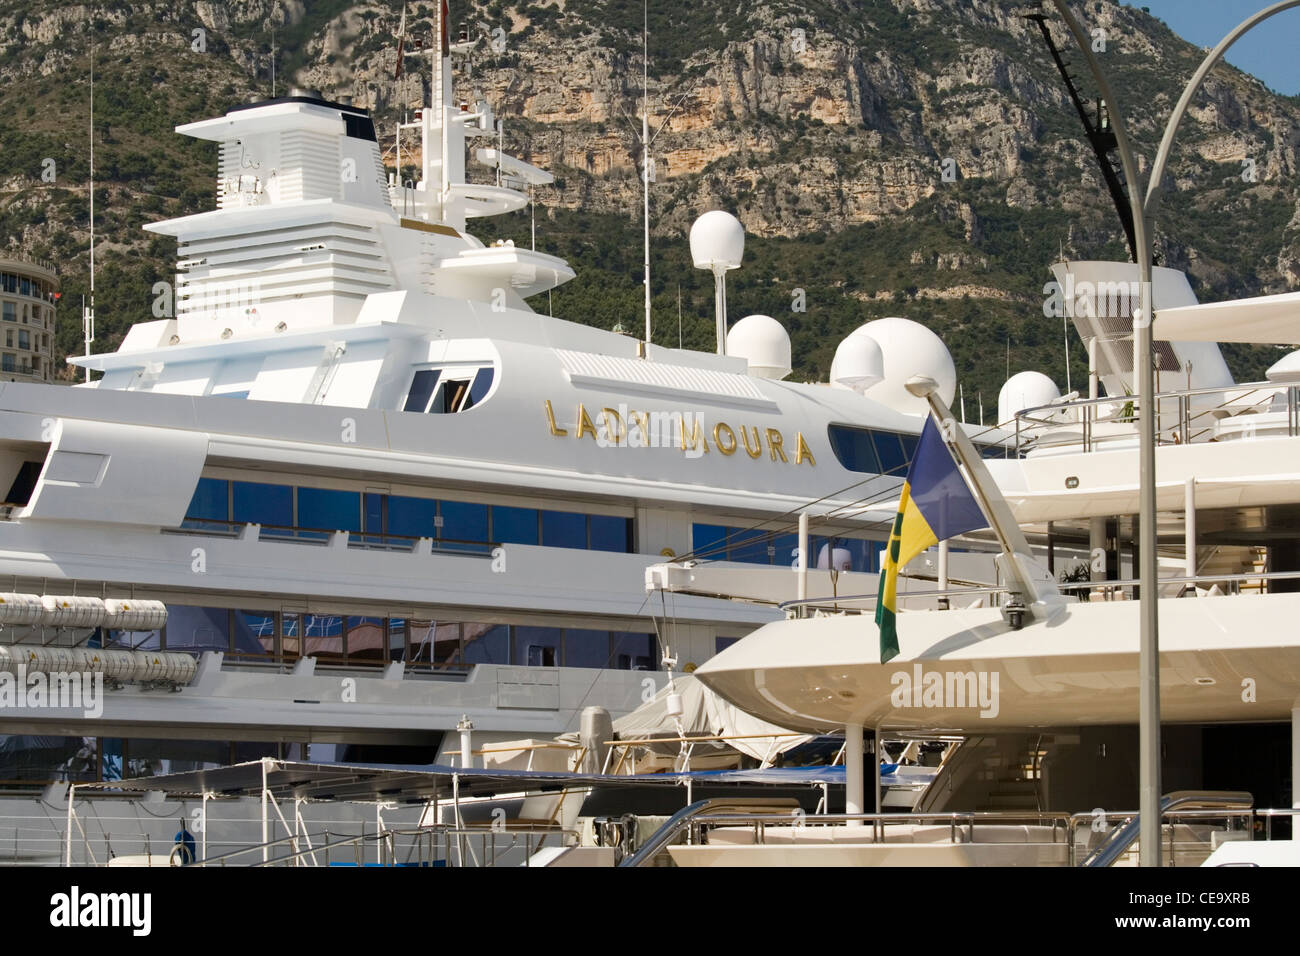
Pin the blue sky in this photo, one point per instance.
(1269, 50)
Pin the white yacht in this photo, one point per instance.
(1043, 685)
(355, 492)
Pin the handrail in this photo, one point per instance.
(1070, 586)
(683, 817)
(1040, 416)
(1120, 841)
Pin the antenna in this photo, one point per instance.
(645, 151)
(88, 314)
(272, 61)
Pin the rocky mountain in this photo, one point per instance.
(913, 157)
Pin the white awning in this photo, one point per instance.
(1266, 319)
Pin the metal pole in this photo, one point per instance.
(803, 558)
(854, 783)
(1189, 528)
(1295, 760)
(645, 159)
(67, 850)
(203, 820)
(265, 795)
(943, 574)
(1149, 641)
(720, 307)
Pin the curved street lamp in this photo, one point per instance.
(1143, 214)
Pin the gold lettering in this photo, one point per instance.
(642, 421)
(717, 438)
(774, 441)
(550, 420)
(584, 423)
(611, 436)
(695, 438)
(757, 450)
(804, 451)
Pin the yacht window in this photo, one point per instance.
(537, 646)
(634, 652)
(514, 525)
(854, 449)
(893, 458)
(417, 400)
(583, 648)
(478, 391)
(487, 644)
(451, 396)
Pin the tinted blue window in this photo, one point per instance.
(329, 510)
(422, 385)
(514, 525)
(909, 446)
(366, 637)
(487, 644)
(748, 545)
(853, 554)
(785, 545)
(413, 516)
(708, 542)
(256, 503)
(564, 529)
(853, 448)
(254, 632)
(478, 391)
(611, 534)
(537, 646)
(463, 521)
(197, 629)
(720, 644)
(586, 648)
(211, 502)
(635, 652)
(889, 451)
(373, 515)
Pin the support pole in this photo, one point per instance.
(720, 307)
(67, 850)
(203, 822)
(854, 783)
(877, 752)
(803, 559)
(265, 797)
(1189, 528)
(944, 603)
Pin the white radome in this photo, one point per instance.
(764, 343)
(858, 363)
(1025, 390)
(909, 349)
(717, 241)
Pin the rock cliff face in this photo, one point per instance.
(851, 118)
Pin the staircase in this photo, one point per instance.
(1015, 782)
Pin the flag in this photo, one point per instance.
(446, 42)
(401, 40)
(935, 504)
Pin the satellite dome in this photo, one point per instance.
(837, 560)
(1286, 370)
(909, 349)
(858, 362)
(717, 241)
(764, 343)
(1025, 390)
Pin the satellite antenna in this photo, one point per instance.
(718, 244)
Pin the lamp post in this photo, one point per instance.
(1143, 214)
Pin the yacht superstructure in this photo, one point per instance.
(355, 492)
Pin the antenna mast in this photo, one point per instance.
(645, 153)
(88, 314)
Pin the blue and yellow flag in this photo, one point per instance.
(935, 504)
